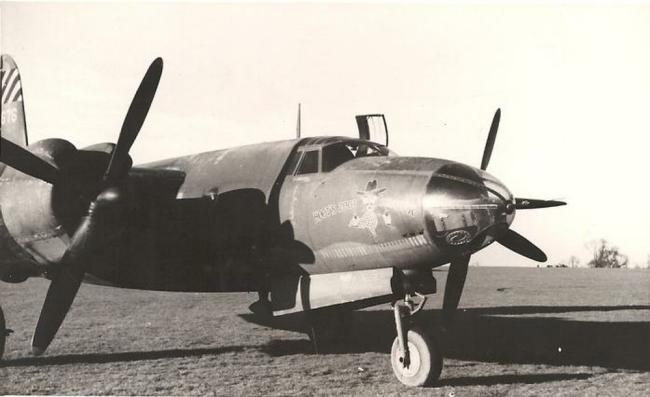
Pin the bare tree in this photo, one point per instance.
(607, 256)
(573, 261)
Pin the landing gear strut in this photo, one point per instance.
(415, 357)
(4, 332)
(328, 329)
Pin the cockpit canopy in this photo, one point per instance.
(326, 156)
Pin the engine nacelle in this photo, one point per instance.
(33, 213)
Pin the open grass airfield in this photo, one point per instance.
(520, 332)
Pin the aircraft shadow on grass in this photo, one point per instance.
(493, 334)
(505, 335)
(102, 358)
(492, 380)
(181, 353)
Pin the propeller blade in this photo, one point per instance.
(492, 136)
(519, 244)
(64, 285)
(27, 162)
(527, 204)
(134, 119)
(454, 287)
(60, 295)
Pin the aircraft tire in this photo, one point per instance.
(426, 359)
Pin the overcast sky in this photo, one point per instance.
(573, 83)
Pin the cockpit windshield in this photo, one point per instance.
(340, 152)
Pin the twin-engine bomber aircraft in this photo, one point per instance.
(313, 224)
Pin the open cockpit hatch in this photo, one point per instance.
(372, 127)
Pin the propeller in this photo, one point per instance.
(454, 287)
(519, 244)
(509, 239)
(492, 136)
(96, 224)
(27, 162)
(512, 239)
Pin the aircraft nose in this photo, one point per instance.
(466, 208)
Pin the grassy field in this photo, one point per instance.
(532, 331)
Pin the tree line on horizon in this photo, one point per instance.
(604, 256)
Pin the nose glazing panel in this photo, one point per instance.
(465, 208)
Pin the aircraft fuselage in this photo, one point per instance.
(244, 214)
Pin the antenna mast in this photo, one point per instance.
(298, 123)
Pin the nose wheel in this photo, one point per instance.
(415, 356)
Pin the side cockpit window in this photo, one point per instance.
(316, 158)
(338, 153)
(335, 155)
(309, 163)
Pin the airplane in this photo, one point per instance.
(312, 224)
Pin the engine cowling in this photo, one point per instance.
(39, 217)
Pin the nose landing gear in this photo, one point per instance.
(4, 332)
(415, 356)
